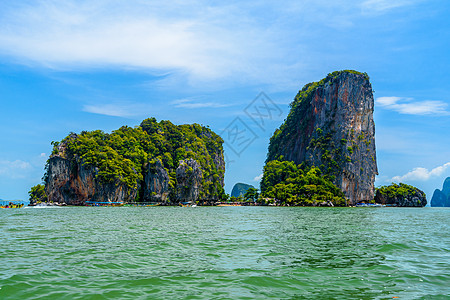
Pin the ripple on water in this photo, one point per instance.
(222, 253)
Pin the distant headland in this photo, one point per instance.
(441, 198)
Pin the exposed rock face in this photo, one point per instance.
(74, 184)
(415, 199)
(189, 180)
(442, 198)
(239, 189)
(331, 126)
(156, 180)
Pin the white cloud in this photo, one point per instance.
(187, 103)
(14, 169)
(109, 110)
(258, 178)
(410, 107)
(422, 174)
(194, 37)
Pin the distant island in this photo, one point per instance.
(400, 195)
(239, 189)
(322, 155)
(441, 198)
(154, 162)
(325, 149)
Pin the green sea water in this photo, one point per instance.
(224, 253)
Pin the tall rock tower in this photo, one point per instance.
(330, 126)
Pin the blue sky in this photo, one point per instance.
(84, 65)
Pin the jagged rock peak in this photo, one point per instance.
(330, 126)
(442, 198)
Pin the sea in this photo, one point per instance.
(224, 253)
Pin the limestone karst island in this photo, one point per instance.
(322, 155)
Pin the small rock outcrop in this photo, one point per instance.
(331, 126)
(239, 189)
(441, 198)
(400, 195)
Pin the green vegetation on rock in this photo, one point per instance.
(396, 190)
(299, 185)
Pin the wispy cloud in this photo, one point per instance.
(187, 103)
(259, 177)
(14, 169)
(109, 110)
(384, 5)
(411, 107)
(422, 174)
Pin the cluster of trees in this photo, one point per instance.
(37, 194)
(124, 154)
(298, 185)
(396, 190)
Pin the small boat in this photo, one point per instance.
(188, 204)
(96, 203)
(368, 205)
(11, 204)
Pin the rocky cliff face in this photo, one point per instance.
(331, 126)
(74, 184)
(156, 183)
(95, 166)
(189, 181)
(416, 198)
(442, 198)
